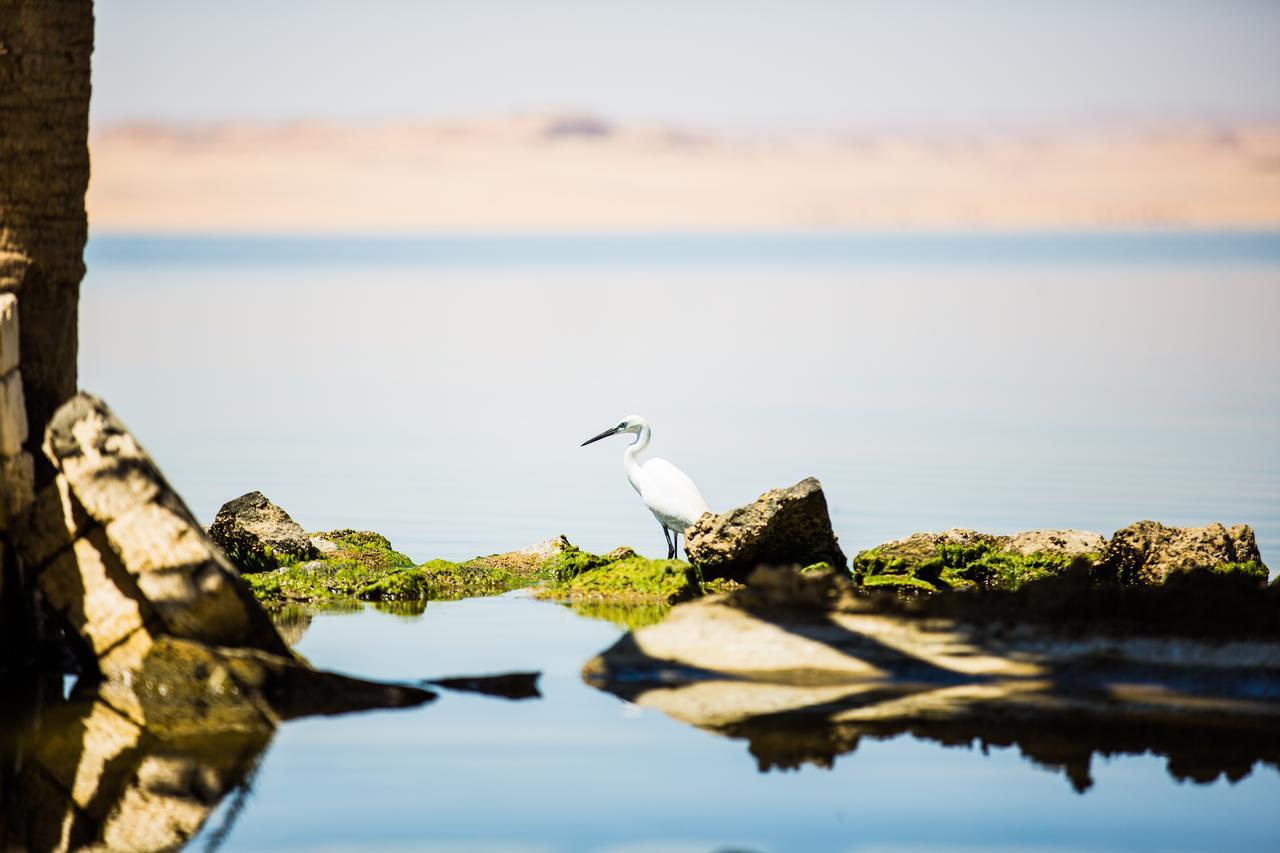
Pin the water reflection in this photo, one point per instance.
(787, 726)
(81, 773)
(628, 615)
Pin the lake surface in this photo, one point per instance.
(437, 391)
(583, 770)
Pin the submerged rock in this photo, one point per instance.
(256, 534)
(782, 527)
(1148, 552)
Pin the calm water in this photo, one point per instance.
(437, 391)
(581, 769)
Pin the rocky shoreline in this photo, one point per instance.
(281, 562)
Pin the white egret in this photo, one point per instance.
(666, 490)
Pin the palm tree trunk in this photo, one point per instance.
(45, 46)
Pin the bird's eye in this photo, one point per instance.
(622, 425)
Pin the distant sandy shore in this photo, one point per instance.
(581, 175)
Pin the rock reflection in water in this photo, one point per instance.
(84, 774)
(789, 725)
(139, 762)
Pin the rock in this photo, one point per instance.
(966, 559)
(783, 527)
(324, 546)
(1069, 542)
(117, 554)
(525, 563)
(254, 533)
(1148, 552)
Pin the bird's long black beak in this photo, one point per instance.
(605, 434)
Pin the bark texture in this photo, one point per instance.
(45, 48)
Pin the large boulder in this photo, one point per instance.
(255, 534)
(1148, 552)
(118, 556)
(783, 527)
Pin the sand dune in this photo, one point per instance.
(564, 174)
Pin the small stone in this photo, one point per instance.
(253, 532)
(1068, 542)
(324, 546)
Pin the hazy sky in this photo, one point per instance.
(730, 65)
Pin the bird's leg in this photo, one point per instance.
(675, 546)
(666, 534)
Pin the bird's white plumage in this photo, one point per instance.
(669, 494)
(666, 490)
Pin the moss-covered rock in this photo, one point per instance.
(967, 559)
(361, 564)
(1148, 552)
(634, 578)
(1143, 554)
(621, 575)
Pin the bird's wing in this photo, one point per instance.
(668, 491)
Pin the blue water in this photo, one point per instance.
(930, 248)
(581, 770)
(436, 390)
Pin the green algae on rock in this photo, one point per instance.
(363, 565)
(621, 575)
(958, 559)
(1143, 554)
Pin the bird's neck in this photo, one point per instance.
(630, 460)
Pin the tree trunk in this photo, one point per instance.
(45, 47)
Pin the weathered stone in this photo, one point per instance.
(151, 537)
(13, 414)
(91, 590)
(16, 480)
(967, 559)
(108, 470)
(159, 556)
(523, 563)
(8, 332)
(254, 532)
(1149, 552)
(324, 546)
(1068, 542)
(783, 527)
(54, 521)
